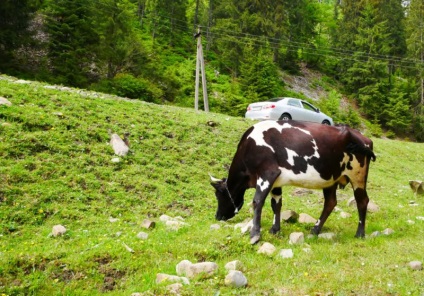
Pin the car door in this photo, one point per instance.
(310, 112)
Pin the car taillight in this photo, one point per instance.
(272, 106)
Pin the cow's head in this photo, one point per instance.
(227, 207)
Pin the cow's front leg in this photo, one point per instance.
(330, 201)
(263, 187)
(276, 208)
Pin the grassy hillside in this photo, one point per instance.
(56, 168)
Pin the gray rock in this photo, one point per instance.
(296, 238)
(416, 265)
(375, 234)
(236, 279)
(4, 101)
(205, 268)
(327, 235)
(118, 145)
(148, 224)
(182, 267)
(142, 235)
(372, 207)
(215, 227)
(267, 249)
(286, 253)
(289, 216)
(388, 231)
(234, 265)
(245, 226)
(307, 219)
(175, 288)
(163, 277)
(174, 225)
(345, 215)
(58, 230)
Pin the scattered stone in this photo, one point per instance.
(58, 114)
(175, 288)
(351, 202)
(175, 225)
(375, 234)
(289, 216)
(296, 238)
(21, 81)
(417, 186)
(4, 101)
(136, 294)
(118, 145)
(267, 249)
(372, 207)
(307, 219)
(142, 235)
(327, 235)
(215, 226)
(205, 268)
(182, 267)
(234, 265)
(58, 230)
(165, 218)
(115, 160)
(420, 218)
(245, 226)
(388, 231)
(286, 253)
(345, 215)
(236, 279)
(416, 265)
(113, 220)
(410, 222)
(148, 224)
(163, 277)
(118, 234)
(128, 248)
(307, 250)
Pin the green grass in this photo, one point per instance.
(56, 168)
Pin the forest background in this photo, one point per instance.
(373, 50)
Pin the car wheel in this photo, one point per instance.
(285, 117)
(326, 122)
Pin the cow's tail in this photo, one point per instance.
(360, 144)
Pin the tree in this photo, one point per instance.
(72, 40)
(15, 17)
(259, 76)
(415, 43)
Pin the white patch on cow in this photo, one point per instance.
(257, 133)
(316, 154)
(276, 198)
(263, 185)
(310, 179)
(319, 221)
(290, 156)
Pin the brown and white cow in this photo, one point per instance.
(272, 154)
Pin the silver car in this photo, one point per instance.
(286, 109)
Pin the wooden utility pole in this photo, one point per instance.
(200, 67)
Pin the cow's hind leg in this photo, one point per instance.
(276, 208)
(330, 201)
(362, 200)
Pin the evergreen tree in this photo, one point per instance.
(15, 16)
(415, 43)
(72, 40)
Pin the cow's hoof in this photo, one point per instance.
(274, 230)
(254, 239)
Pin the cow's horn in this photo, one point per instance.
(214, 180)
